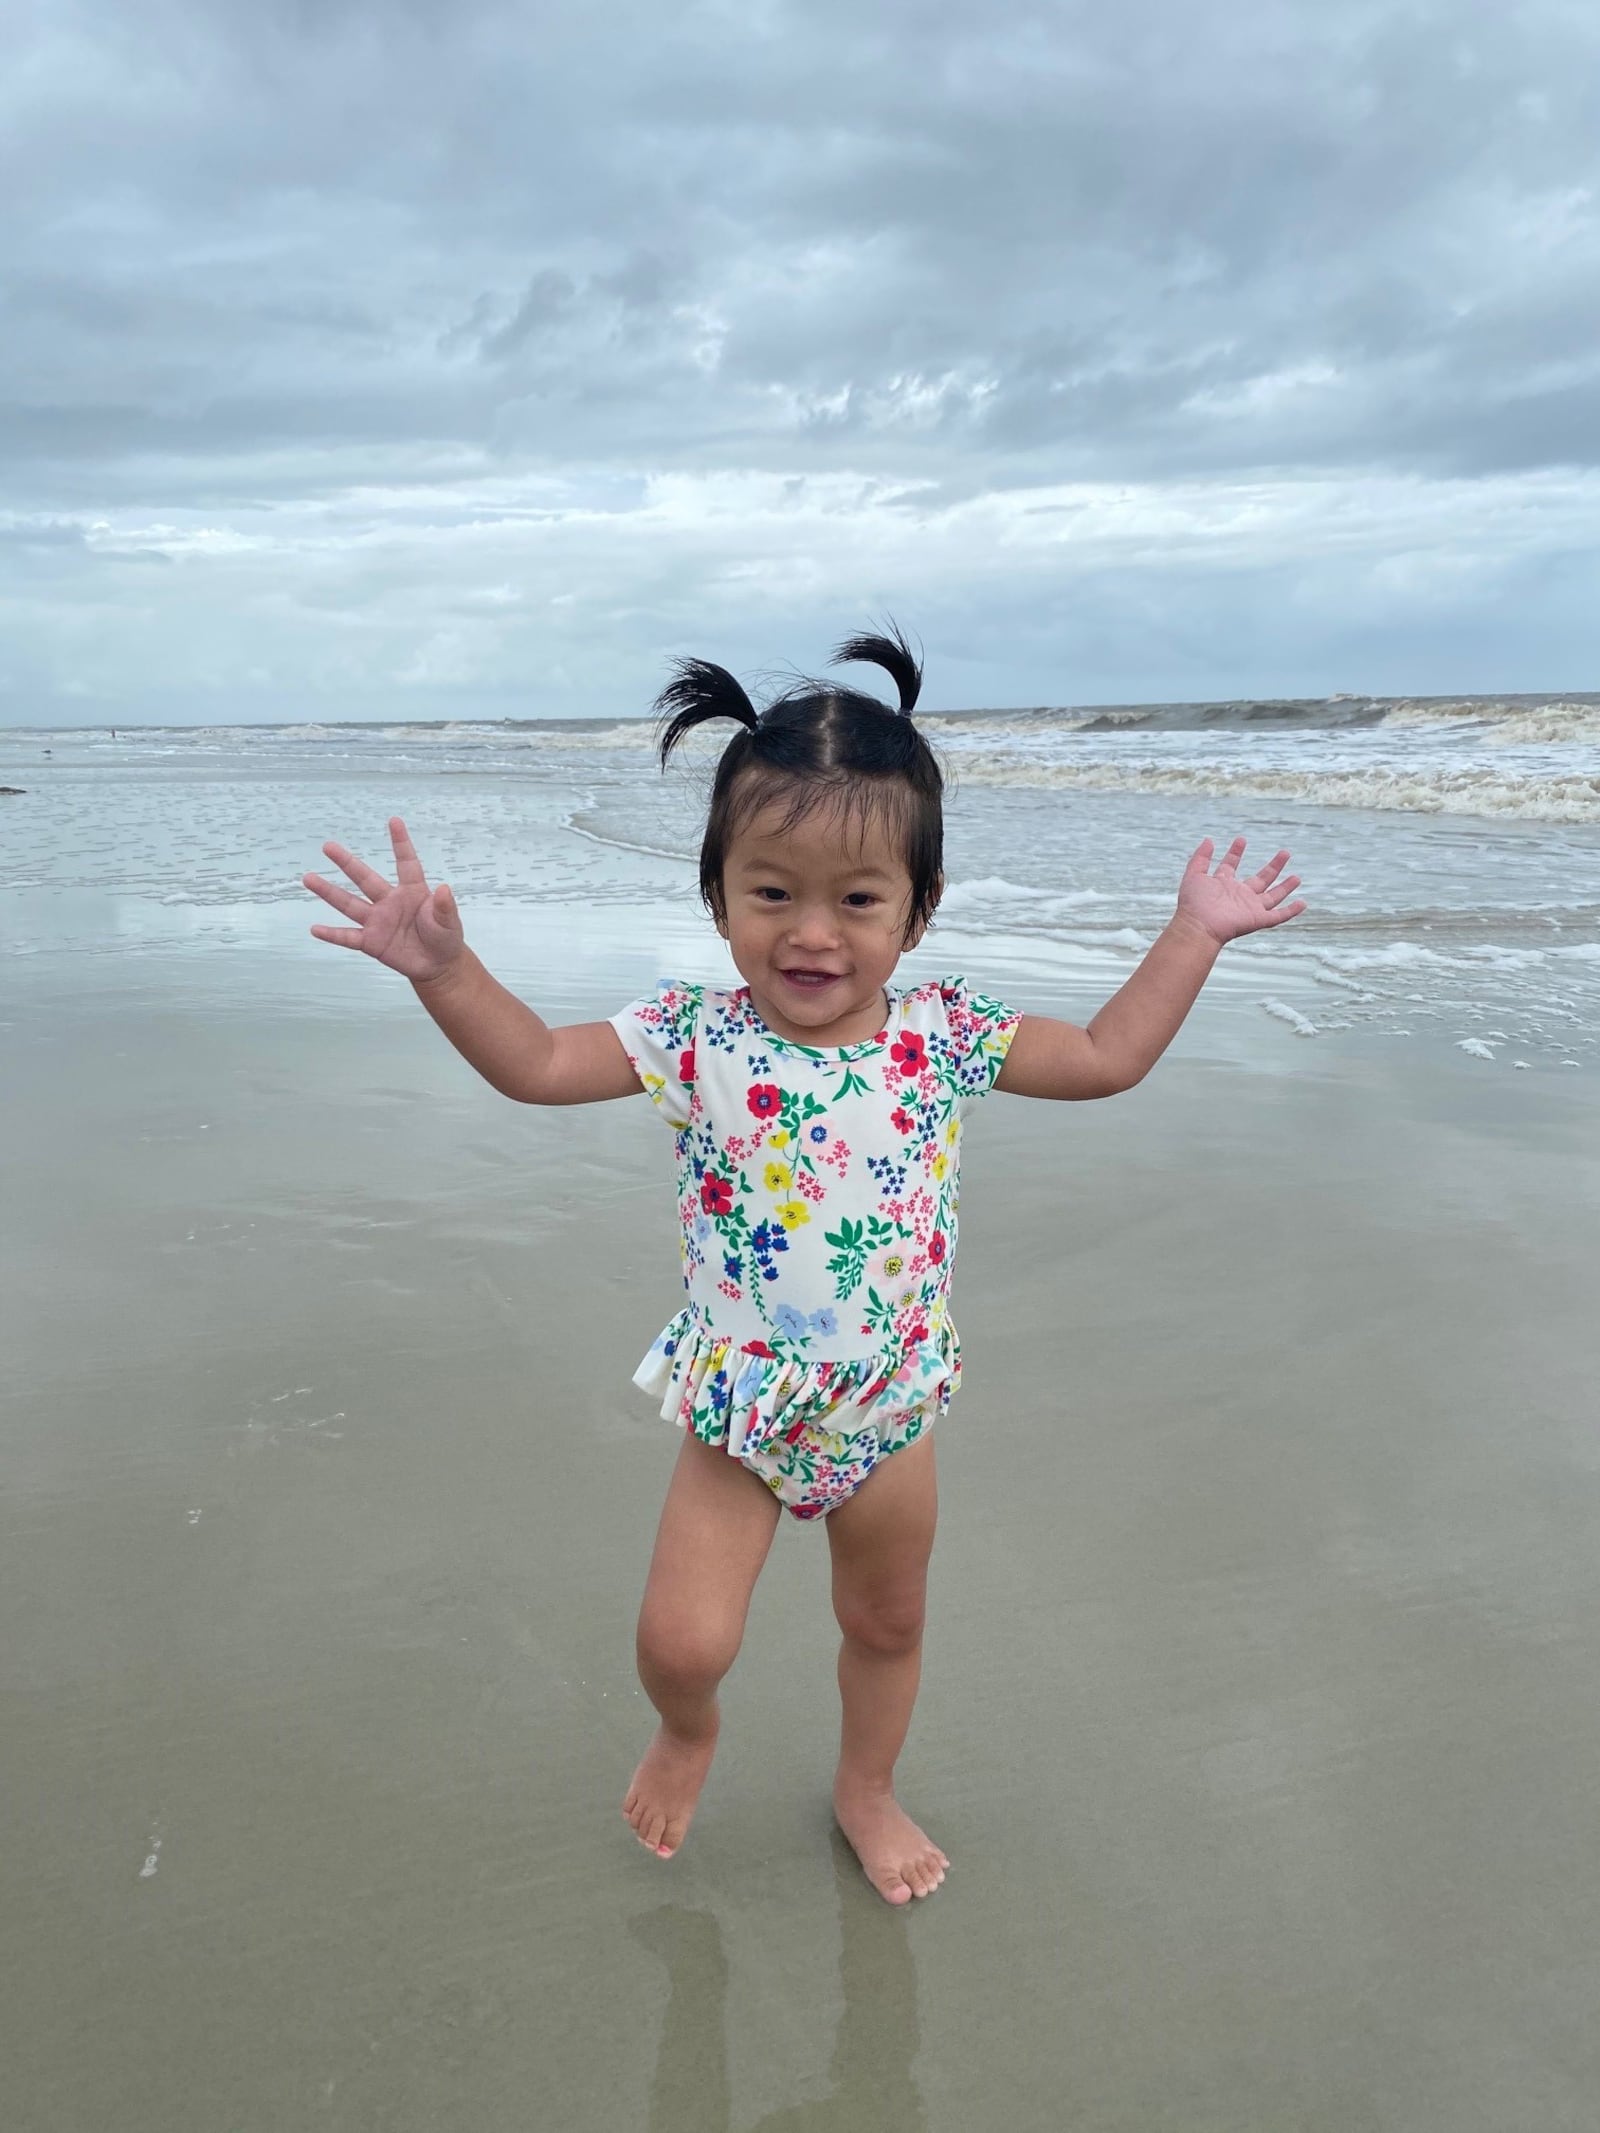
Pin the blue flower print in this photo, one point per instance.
(702, 1227)
(824, 1321)
(733, 1266)
(792, 1324)
(817, 1133)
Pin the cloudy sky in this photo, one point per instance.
(443, 358)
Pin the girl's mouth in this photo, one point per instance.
(810, 980)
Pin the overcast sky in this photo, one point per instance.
(439, 358)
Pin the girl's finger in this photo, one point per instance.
(366, 878)
(1229, 861)
(341, 899)
(341, 936)
(407, 864)
(1273, 866)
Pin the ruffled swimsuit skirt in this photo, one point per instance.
(812, 1432)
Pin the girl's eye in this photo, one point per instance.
(769, 892)
(861, 898)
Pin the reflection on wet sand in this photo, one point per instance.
(873, 2089)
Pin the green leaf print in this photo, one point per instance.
(855, 1241)
(850, 1261)
(879, 1312)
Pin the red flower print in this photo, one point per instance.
(686, 1066)
(716, 1194)
(902, 1120)
(757, 1348)
(936, 1247)
(764, 1099)
(919, 1332)
(909, 1052)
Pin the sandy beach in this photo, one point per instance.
(1261, 1712)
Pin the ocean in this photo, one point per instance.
(1449, 848)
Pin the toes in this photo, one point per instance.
(924, 1874)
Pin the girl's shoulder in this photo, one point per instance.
(951, 1001)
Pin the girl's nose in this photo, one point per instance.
(814, 929)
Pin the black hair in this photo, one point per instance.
(814, 746)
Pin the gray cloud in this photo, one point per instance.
(431, 337)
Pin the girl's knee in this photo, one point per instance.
(687, 1657)
(888, 1622)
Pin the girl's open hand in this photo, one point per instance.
(1226, 907)
(414, 929)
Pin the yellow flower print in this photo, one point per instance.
(779, 1176)
(791, 1213)
(777, 1140)
(894, 1265)
(952, 1132)
(939, 1165)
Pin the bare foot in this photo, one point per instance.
(898, 1858)
(665, 1787)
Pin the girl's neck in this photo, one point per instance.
(860, 1026)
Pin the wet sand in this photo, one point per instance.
(1262, 1706)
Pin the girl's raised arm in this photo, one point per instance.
(417, 931)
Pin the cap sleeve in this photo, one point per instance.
(658, 1037)
(981, 1029)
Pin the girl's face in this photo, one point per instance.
(816, 922)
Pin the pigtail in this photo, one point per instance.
(891, 652)
(698, 692)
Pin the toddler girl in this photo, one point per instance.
(817, 1110)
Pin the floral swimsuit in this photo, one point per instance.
(817, 1194)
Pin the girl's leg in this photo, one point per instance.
(716, 1527)
(881, 1540)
